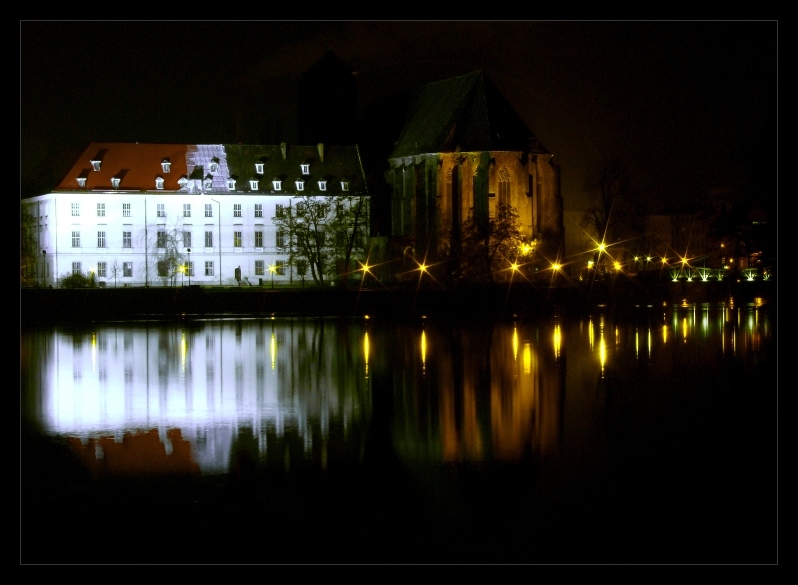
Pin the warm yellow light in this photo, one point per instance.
(514, 266)
(601, 247)
(617, 266)
(555, 266)
(422, 267)
(272, 268)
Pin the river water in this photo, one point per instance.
(647, 438)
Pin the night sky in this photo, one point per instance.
(685, 106)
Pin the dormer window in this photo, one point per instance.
(253, 184)
(344, 185)
(159, 182)
(115, 182)
(95, 164)
(231, 184)
(207, 183)
(214, 166)
(259, 168)
(322, 185)
(305, 169)
(81, 181)
(166, 165)
(277, 185)
(300, 185)
(183, 182)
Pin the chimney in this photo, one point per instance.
(321, 151)
(283, 148)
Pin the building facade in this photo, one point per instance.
(462, 153)
(131, 214)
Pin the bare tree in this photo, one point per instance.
(490, 249)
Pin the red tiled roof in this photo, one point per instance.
(137, 164)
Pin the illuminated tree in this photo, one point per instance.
(488, 250)
(325, 234)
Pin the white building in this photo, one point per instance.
(131, 213)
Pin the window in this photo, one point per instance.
(208, 183)
(258, 267)
(322, 185)
(95, 164)
(209, 239)
(504, 186)
(231, 184)
(102, 269)
(258, 239)
(163, 268)
(258, 210)
(161, 210)
(190, 268)
(280, 264)
(76, 239)
(208, 210)
(301, 267)
(236, 239)
(305, 169)
(127, 269)
(75, 209)
(280, 239)
(115, 182)
(127, 240)
(161, 240)
(166, 165)
(236, 210)
(259, 168)
(101, 210)
(214, 166)
(339, 209)
(101, 239)
(209, 268)
(126, 210)
(159, 182)
(300, 185)
(186, 239)
(253, 184)
(277, 185)
(344, 185)
(187, 210)
(76, 268)
(81, 181)
(279, 210)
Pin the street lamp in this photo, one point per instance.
(189, 265)
(272, 269)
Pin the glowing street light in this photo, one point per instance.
(272, 269)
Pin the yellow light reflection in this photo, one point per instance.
(423, 351)
(273, 350)
(515, 343)
(366, 351)
(557, 340)
(637, 343)
(183, 351)
(664, 334)
(685, 329)
(527, 360)
(94, 351)
(590, 333)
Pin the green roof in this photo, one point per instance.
(466, 113)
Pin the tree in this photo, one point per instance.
(115, 270)
(487, 250)
(170, 258)
(320, 231)
(29, 249)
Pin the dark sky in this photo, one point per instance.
(686, 106)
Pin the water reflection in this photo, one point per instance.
(210, 396)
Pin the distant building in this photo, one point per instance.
(462, 152)
(128, 213)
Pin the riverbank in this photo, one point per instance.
(518, 301)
